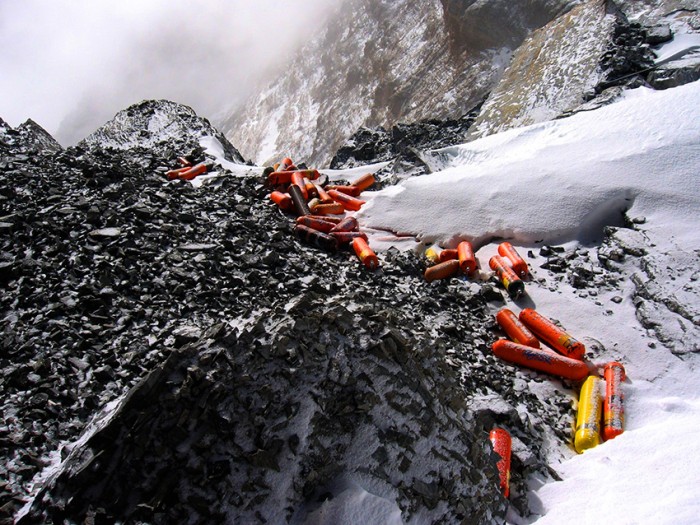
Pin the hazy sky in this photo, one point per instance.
(71, 65)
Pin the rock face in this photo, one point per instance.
(254, 377)
(154, 125)
(380, 63)
(30, 136)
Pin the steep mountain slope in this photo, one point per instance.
(378, 63)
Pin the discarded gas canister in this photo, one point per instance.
(284, 164)
(316, 238)
(299, 201)
(442, 270)
(348, 224)
(310, 187)
(347, 237)
(511, 282)
(365, 181)
(353, 191)
(182, 161)
(540, 359)
(298, 180)
(283, 200)
(519, 265)
(516, 330)
(279, 178)
(552, 334)
(448, 255)
(613, 405)
(588, 415)
(502, 443)
(174, 174)
(193, 171)
(334, 220)
(333, 208)
(365, 253)
(347, 201)
(316, 224)
(467, 259)
(433, 254)
(323, 195)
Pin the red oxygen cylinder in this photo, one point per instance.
(282, 200)
(613, 404)
(316, 224)
(365, 181)
(279, 178)
(348, 224)
(316, 238)
(323, 195)
(174, 174)
(353, 191)
(347, 237)
(552, 334)
(334, 220)
(519, 265)
(348, 202)
(365, 253)
(541, 360)
(442, 270)
(502, 443)
(511, 282)
(284, 164)
(299, 201)
(310, 187)
(298, 180)
(193, 172)
(333, 208)
(447, 255)
(516, 330)
(467, 259)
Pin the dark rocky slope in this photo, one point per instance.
(266, 373)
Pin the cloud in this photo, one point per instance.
(71, 65)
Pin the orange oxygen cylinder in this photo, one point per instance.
(193, 172)
(347, 237)
(323, 195)
(613, 405)
(502, 444)
(333, 208)
(540, 359)
(519, 265)
(365, 253)
(298, 180)
(316, 238)
(279, 178)
(588, 415)
(284, 164)
(174, 174)
(552, 334)
(353, 191)
(282, 200)
(334, 220)
(511, 282)
(316, 224)
(310, 187)
(516, 330)
(442, 270)
(348, 224)
(182, 161)
(447, 255)
(365, 181)
(467, 259)
(347, 201)
(300, 206)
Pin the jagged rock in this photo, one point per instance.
(658, 34)
(674, 75)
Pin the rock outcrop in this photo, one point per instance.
(380, 63)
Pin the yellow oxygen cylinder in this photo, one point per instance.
(590, 404)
